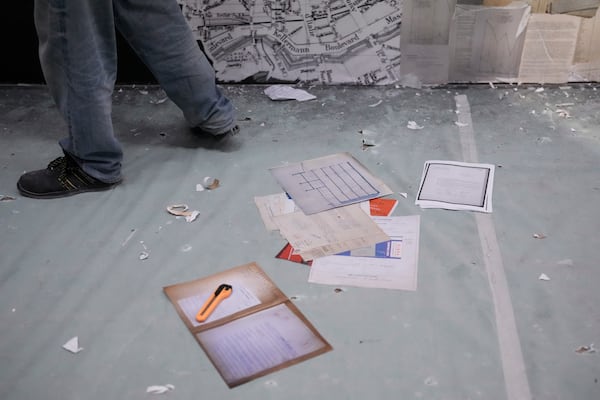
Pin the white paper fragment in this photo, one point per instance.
(460, 124)
(492, 85)
(539, 236)
(376, 104)
(539, 90)
(544, 277)
(6, 198)
(563, 113)
(586, 349)
(284, 92)
(199, 187)
(405, 195)
(160, 389)
(192, 217)
(144, 255)
(73, 345)
(413, 125)
(567, 261)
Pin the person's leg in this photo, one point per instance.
(160, 35)
(78, 57)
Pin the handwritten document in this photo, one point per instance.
(387, 265)
(328, 182)
(456, 186)
(255, 331)
(329, 232)
(259, 342)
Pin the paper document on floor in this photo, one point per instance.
(328, 182)
(255, 331)
(329, 232)
(456, 186)
(387, 265)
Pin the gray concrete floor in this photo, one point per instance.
(70, 267)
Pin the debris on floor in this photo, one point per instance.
(72, 345)
(544, 277)
(539, 236)
(160, 389)
(413, 125)
(284, 92)
(182, 210)
(208, 183)
(586, 349)
(6, 198)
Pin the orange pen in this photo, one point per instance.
(222, 292)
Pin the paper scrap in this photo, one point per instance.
(284, 92)
(181, 210)
(159, 389)
(413, 125)
(6, 198)
(539, 236)
(586, 349)
(144, 255)
(376, 104)
(544, 277)
(72, 345)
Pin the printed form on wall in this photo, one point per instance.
(549, 48)
(424, 40)
(486, 42)
(586, 65)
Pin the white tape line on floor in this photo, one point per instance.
(513, 365)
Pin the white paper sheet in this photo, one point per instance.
(486, 42)
(284, 92)
(549, 48)
(456, 186)
(390, 265)
(328, 182)
(260, 341)
(329, 232)
(424, 39)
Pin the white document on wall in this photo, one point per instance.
(424, 39)
(328, 182)
(549, 48)
(456, 185)
(387, 265)
(486, 42)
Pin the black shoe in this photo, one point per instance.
(62, 178)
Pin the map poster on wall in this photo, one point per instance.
(313, 41)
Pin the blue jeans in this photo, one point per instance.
(79, 59)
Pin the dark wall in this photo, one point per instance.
(19, 62)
